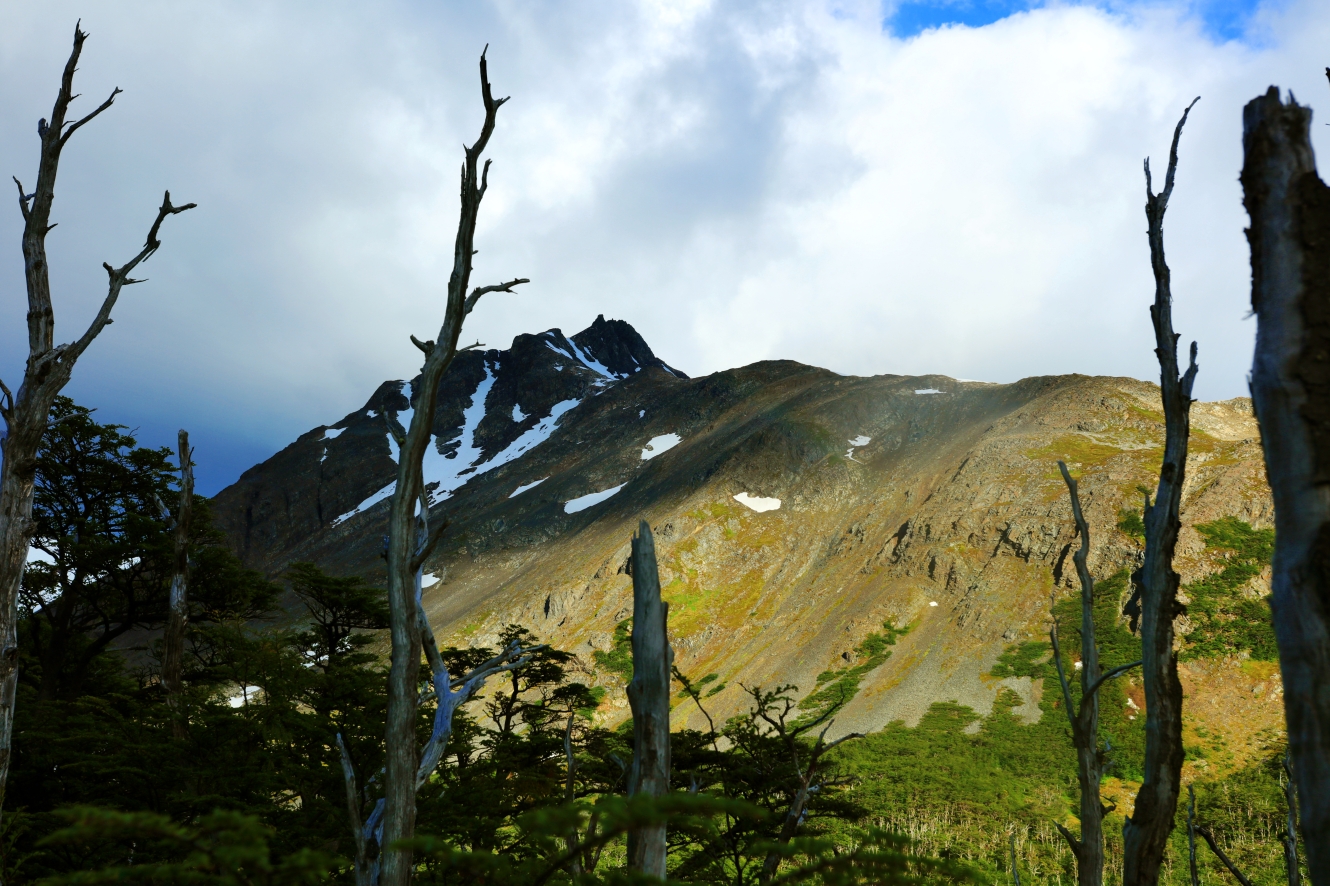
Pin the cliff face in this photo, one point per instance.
(796, 511)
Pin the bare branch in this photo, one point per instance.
(352, 799)
(428, 547)
(23, 199)
(1223, 857)
(119, 277)
(485, 290)
(1116, 672)
(426, 347)
(1062, 679)
(72, 127)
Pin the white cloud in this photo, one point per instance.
(738, 181)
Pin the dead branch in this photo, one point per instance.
(173, 640)
(1222, 856)
(1289, 207)
(1084, 720)
(1145, 834)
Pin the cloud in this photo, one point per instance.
(740, 181)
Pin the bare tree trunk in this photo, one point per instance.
(1289, 207)
(173, 651)
(1191, 835)
(1084, 721)
(399, 820)
(1145, 834)
(1291, 835)
(48, 368)
(649, 696)
(1222, 856)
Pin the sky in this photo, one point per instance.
(931, 186)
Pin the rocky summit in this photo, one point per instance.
(799, 515)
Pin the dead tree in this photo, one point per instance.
(649, 697)
(1221, 855)
(1084, 720)
(173, 643)
(1145, 834)
(1289, 207)
(1291, 832)
(809, 774)
(1191, 835)
(447, 692)
(48, 369)
(405, 556)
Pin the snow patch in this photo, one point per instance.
(933, 603)
(525, 486)
(641, 413)
(656, 445)
(451, 472)
(757, 504)
(591, 362)
(518, 414)
(928, 391)
(246, 693)
(857, 442)
(586, 501)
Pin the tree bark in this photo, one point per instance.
(1291, 869)
(48, 368)
(399, 818)
(173, 651)
(1145, 834)
(1289, 207)
(649, 697)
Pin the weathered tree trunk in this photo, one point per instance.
(1294, 874)
(649, 697)
(399, 819)
(1089, 847)
(1191, 836)
(173, 643)
(48, 368)
(1145, 834)
(1289, 236)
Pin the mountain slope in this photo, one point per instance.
(926, 502)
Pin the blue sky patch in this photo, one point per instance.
(1224, 20)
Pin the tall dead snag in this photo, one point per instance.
(1089, 847)
(1291, 870)
(48, 369)
(649, 697)
(405, 554)
(1145, 834)
(173, 642)
(1289, 236)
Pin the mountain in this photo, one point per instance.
(802, 518)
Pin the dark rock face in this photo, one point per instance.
(277, 507)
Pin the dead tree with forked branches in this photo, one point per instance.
(1145, 834)
(1084, 720)
(1289, 236)
(406, 552)
(173, 640)
(447, 692)
(48, 369)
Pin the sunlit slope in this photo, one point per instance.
(927, 504)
